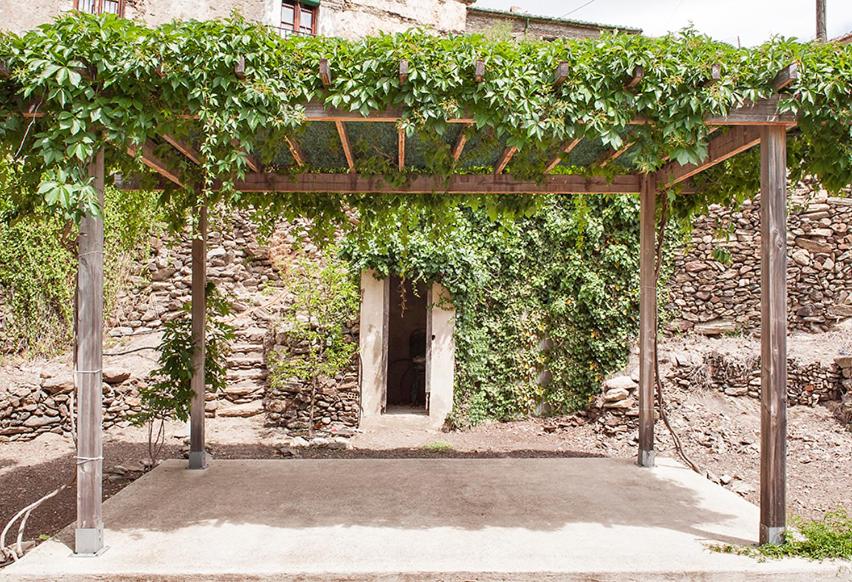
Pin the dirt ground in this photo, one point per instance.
(720, 433)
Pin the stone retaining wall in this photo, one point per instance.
(715, 286)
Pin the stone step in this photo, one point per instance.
(244, 388)
(239, 375)
(246, 347)
(249, 360)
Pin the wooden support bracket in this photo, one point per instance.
(401, 148)
(786, 76)
(155, 163)
(636, 78)
(295, 151)
(567, 149)
(505, 158)
(187, 150)
(461, 140)
(344, 143)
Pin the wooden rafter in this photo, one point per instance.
(479, 71)
(567, 149)
(561, 74)
(187, 150)
(461, 140)
(615, 154)
(720, 148)
(786, 76)
(505, 158)
(295, 151)
(635, 78)
(764, 112)
(458, 184)
(344, 143)
(324, 72)
(155, 163)
(401, 148)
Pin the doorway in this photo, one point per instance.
(407, 332)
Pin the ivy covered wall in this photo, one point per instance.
(546, 306)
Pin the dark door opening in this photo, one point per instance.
(406, 377)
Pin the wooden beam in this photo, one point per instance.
(715, 75)
(785, 77)
(764, 112)
(240, 68)
(461, 140)
(479, 71)
(461, 184)
(735, 140)
(252, 163)
(635, 78)
(324, 72)
(197, 452)
(403, 72)
(567, 149)
(344, 143)
(401, 148)
(615, 154)
(89, 532)
(295, 151)
(647, 317)
(505, 158)
(561, 75)
(187, 150)
(773, 334)
(152, 161)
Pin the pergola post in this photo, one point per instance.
(89, 533)
(773, 336)
(647, 317)
(197, 453)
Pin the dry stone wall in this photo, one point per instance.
(713, 296)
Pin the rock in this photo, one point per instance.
(616, 395)
(241, 410)
(802, 257)
(813, 245)
(716, 327)
(299, 442)
(625, 404)
(38, 421)
(620, 382)
(114, 375)
(695, 266)
(58, 384)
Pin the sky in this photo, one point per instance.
(747, 22)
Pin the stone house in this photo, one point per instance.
(341, 18)
(406, 349)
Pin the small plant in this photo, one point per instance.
(817, 539)
(170, 395)
(325, 302)
(438, 447)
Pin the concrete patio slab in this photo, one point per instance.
(447, 519)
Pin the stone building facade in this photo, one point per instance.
(339, 18)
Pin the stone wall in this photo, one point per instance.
(521, 25)
(712, 296)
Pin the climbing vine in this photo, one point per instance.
(102, 81)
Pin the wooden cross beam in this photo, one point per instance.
(567, 149)
(479, 71)
(295, 151)
(615, 154)
(735, 140)
(324, 72)
(561, 75)
(635, 79)
(240, 68)
(461, 140)
(401, 148)
(785, 77)
(152, 161)
(505, 158)
(458, 184)
(344, 143)
(187, 150)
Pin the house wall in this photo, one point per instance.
(341, 18)
(524, 26)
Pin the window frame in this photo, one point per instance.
(100, 7)
(297, 17)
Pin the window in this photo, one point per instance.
(100, 6)
(298, 17)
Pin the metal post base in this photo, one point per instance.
(197, 460)
(646, 458)
(89, 542)
(772, 535)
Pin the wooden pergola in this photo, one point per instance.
(741, 129)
